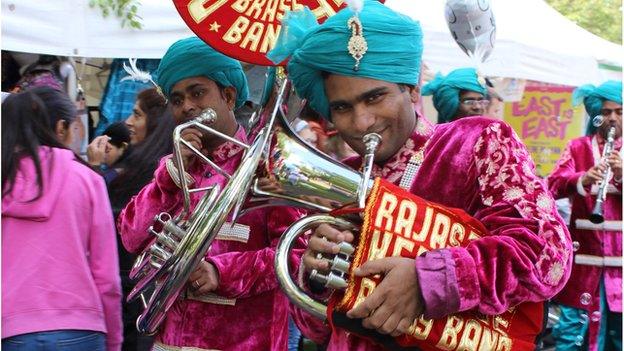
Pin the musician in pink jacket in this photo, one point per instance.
(232, 300)
(475, 164)
(591, 302)
(60, 275)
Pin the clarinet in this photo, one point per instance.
(597, 215)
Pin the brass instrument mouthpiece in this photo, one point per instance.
(372, 141)
(207, 116)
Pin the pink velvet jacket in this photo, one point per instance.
(248, 310)
(478, 165)
(580, 155)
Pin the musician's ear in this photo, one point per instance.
(229, 94)
(414, 93)
(413, 90)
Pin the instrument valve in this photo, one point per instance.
(159, 221)
(346, 248)
(331, 280)
(339, 268)
(158, 252)
(168, 242)
(340, 264)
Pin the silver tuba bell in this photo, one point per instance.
(292, 173)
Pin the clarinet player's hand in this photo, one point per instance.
(615, 161)
(593, 175)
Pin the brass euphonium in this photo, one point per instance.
(180, 243)
(597, 215)
(294, 174)
(340, 263)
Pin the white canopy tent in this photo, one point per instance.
(533, 40)
(72, 28)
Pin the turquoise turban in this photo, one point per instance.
(593, 97)
(394, 49)
(191, 57)
(445, 91)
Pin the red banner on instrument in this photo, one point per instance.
(246, 29)
(398, 223)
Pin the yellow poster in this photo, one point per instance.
(545, 121)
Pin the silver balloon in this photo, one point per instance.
(472, 25)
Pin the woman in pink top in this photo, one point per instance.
(60, 276)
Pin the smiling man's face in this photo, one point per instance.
(359, 106)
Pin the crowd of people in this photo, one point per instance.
(72, 228)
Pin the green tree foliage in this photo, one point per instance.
(125, 10)
(601, 17)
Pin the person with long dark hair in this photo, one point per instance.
(137, 170)
(146, 115)
(60, 284)
(139, 166)
(61, 112)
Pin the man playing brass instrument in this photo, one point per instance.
(475, 164)
(591, 302)
(232, 301)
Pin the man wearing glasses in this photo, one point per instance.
(591, 302)
(461, 93)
